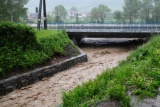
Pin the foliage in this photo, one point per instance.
(50, 17)
(155, 11)
(15, 40)
(100, 13)
(139, 74)
(118, 16)
(103, 11)
(73, 9)
(21, 48)
(77, 18)
(53, 43)
(142, 10)
(95, 15)
(74, 13)
(131, 9)
(18, 35)
(146, 10)
(12, 10)
(60, 13)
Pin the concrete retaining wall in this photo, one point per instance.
(25, 79)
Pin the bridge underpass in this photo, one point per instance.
(76, 37)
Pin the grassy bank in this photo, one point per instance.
(22, 48)
(139, 74)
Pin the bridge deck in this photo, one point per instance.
(152, 28)
(110, 30)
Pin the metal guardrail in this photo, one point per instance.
(151, 28)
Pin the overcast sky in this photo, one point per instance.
(81, 5)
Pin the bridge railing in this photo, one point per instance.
(106, 27)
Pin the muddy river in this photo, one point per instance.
(102, 54)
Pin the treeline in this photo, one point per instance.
(133, 11)
(142, 10)
(146, 11)
(13, 10)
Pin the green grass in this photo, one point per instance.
(53, 42)
(139, 74)
(16, 59)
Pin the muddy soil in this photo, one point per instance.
(102, 54)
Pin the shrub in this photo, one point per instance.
(13, 35)
(21, 48)
(53, 43)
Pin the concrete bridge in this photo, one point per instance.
(78, 31)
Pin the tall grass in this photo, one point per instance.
(139, 74)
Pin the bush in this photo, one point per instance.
(15, 40)
(13, 35)
(21, 48)
(53, 43)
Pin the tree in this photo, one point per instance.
(131, 9)
(73, 9)
(95, 15)
(118, 16)
(50, 17)
(103, 11)
(100, 13)
(73, 12)
(77, 18)
(60, 13)
(156, 1)
(12, 10)
(146, 10)
(156, 11)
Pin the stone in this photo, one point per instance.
(24, 82)
(2, 91)
(34, 73)
(48, 72)
(35, 79)
(1, 83)
(9, 82)
(40, 76)
(10, 88)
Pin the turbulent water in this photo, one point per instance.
(102, 54)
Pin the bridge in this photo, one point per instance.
(78, 31)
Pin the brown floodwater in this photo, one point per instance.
(102, 54)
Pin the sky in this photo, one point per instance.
(81, 5)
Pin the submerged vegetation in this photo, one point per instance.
(139, 74)
(21, 47)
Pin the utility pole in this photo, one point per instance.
(39, 15)
(44, 13)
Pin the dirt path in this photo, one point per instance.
(47, 93)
